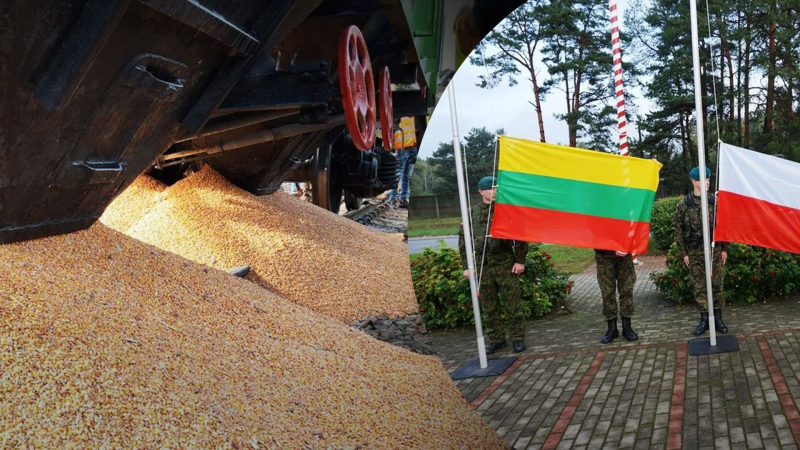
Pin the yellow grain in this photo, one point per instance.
(317, 259)
(87, 365)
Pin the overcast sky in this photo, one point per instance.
(508, 107)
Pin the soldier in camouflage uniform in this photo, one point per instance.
(503, 263)
(615, 272)
(689, 237)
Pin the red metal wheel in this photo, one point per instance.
(387, 113)
(358, 88)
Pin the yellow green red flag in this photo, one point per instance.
(570, 196)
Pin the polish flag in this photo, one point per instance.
(759, 200)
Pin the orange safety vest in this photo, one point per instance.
(405, 136)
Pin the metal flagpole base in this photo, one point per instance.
(702, 346)
(472, 369)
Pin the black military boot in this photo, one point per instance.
(627, 331)
(518, 346)
(612, 332)
(703, 326)
(494, 346)
(720, 325)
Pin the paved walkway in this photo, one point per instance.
(569, 391)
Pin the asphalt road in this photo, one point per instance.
(415, 245)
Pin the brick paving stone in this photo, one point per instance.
(785, 437)
(565, 445)
(628, 440)
(754, 440)
(636, 396)
(736, 435)
(522, 442)
(596, 443)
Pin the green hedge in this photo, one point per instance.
(662, 224)
(752, 274)
(443, 292)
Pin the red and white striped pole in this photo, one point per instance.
(620, 94)
(616, 49)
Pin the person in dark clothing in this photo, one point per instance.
(689, 237)
(615, 272)
(501, 266)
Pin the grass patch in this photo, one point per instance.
(567, 259)
(446, 226)
(414, 256)
(570, 259)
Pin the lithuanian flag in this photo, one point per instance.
(570, 196)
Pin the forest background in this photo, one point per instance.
(549, 65)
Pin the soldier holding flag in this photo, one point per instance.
(615, 272)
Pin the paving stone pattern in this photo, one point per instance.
(567, 390)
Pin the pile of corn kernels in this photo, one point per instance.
(109, 342)
(325, 262)
(144, 193)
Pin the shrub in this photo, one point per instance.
(443, 292)
(752, 274)
(662, 224)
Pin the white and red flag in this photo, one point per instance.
(759, 200)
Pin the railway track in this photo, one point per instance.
(378, 215)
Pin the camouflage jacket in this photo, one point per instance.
(688, 224)
(498, 251)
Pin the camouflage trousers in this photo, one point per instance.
(499, 287)
(615, 273)
(697, 273)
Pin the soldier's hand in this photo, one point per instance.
(517, 268)
(621, 254)
(686, 260)
(466, 274)
(724, 256)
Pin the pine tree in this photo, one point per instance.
(510, 49)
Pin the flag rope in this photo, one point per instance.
(494, 170)
(716, 113)
(713, 76)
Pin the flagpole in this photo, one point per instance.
(701, 155)
(462, 196)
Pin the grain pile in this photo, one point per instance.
(109, 342)
(312, 257)
(144, 193)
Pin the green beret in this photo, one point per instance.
(486, 183)
(695, 173)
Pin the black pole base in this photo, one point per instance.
(472, 369)
(702, 346)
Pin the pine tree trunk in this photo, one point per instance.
(790, 93)
(770, 108)
(573, 121)
(739, 93)
(746, 90)
(538, 105)
(732, 95)
(569, 108)
(685, 142)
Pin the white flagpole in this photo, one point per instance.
(462, 196)
(701, 154)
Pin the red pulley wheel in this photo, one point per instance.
(358, 88)
(385, 104)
